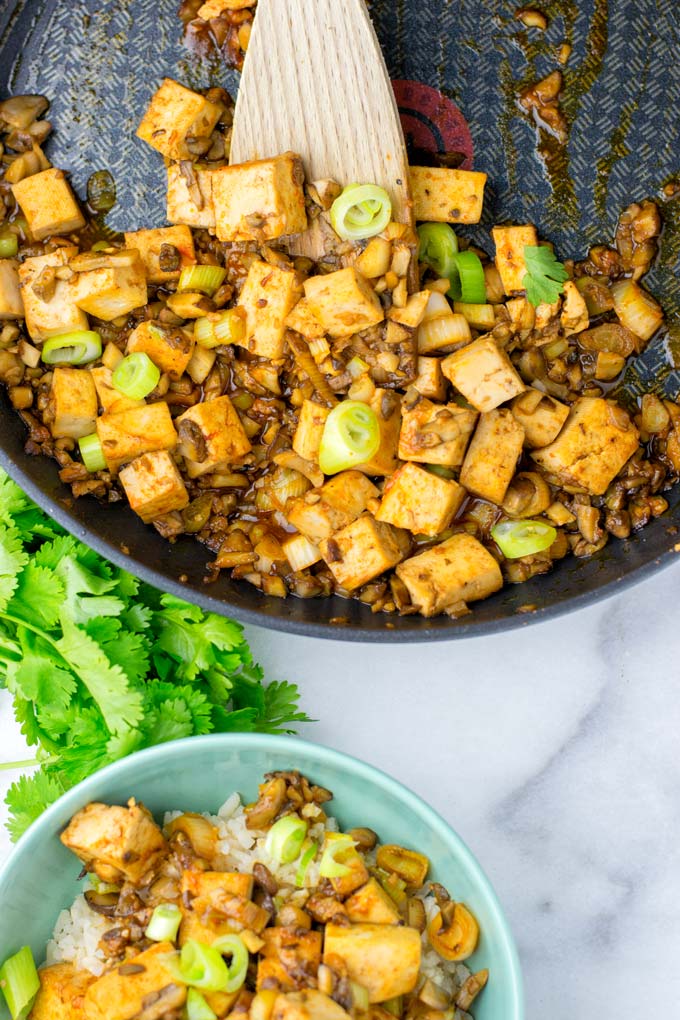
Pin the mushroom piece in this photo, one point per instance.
(453, 932)
(528, 495)
(409, 865)
(272, 797)
(471, 988)
(201, 833)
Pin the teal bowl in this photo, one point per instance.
(198, 774)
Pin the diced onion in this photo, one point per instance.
(285, 838)
(360, 211)
(444, 331)
(76, 348)
(204, 279)
(300, 552)
(136, 376)
(92, 453)
(164, 923)
(636, 309)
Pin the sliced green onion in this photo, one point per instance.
(523, 538)
(75, 348)
(440, 470)
(197, 1007)
(285, 838)
(336, 843)
(20, 983)
(467, 282)
(136, 376)
(306, 859)
(164, 923)
(204, 279)
(92, 453)
(361, 211)
(234, 946)
(351, 436)
(203, 967)
(9, 246)
(101, 246)
(227, 327)
(438, 248)
(360, 997)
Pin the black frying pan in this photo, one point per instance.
(99, 61)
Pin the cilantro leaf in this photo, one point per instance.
(545, 275)
(28, 798)
(12, 560)
(38, 597)
(122, 648)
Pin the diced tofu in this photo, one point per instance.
(457, 570)
(363, 550)
(113, 290)
(541, 415)
(483, 373)
(268, 295)
(11, 305)
(290, 958)
(111, 400)
(302, 320)
(124, 994)
(58, 315)
(213, 8)
(430, 380)
(357, 873)
(435, 433)
(138, 430)
(411, 315)
(447, 196)
(387, 407)
(214, 430)
(217, 903)
(175, 114)
(117, 843)
(574, 317)
(372, 905)
(300, 552)
(419, 501)
(522, 313)
(594, 444)
(491, 458)
(385, 959)
(375, 259)
(62, 993)
(206, 883)
(169, 349)
(308, 1004)
(48, 203)
(310, 426)
(344, 302)
(73, 403)
(510, 244)
(154, 486)
(260, 200)
(340, 501)
(149, 244)
(191, 205)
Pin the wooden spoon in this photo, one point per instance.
(315, 82)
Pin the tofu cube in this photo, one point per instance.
(332, 507)
(411, 315)
(149, 244)
(115, 289)
(383, 958)
(457, 570)
(190, 204)
(541, 416)
(111, 400)
(58, 315)
(153, 485)
(371, 904)
(435, 433)
(387, 407)
(217, 903)
(62, 992)
(122, 994)
(355, 876)
(290, 957)
(594, 444)
(260, 200)
(430, 381)
(510, 244)
(213, 8)
(302, 320)
(129, 434)
(73, 403)
(48, 203)
(211, 436)
(308, 1004)
(491, 460)
(169, 349)
(175, 114)
(11, 305)
(207, 884)
(344, 302)
(419, 501)
(447, 196)
(268, 295)
(117, 843)
(310, 426)
(483, 373)
(363, 550)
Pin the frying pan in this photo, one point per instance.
(100, 60)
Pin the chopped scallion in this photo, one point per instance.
(234, 946)
(336, 843)
(77, 348)
(203, 967)
(351, 436)
(164, 923)
(285, 838)
(306, 859)
(226, 327)
(523, 538)
(197, 1007)
(438, 248)
(20, 983)
(468, 283)
(92, 453)
(361, 211)
(136, 376)
(9, 246)
(204, 279)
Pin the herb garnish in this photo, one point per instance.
(545, 276)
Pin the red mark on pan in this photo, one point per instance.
(432, 122)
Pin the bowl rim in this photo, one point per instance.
(73, 799)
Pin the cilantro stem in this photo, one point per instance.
(36, 630)
(8, 766)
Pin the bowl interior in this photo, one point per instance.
(40, 878)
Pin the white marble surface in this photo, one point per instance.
(554, 752)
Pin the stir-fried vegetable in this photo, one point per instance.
(204, 279)
(285, 839)
(351, 436)
(20, 983)
(136, 376)
(361, 211)
(523, 538)
(76, 348)
(92, 453)
(197, 1007)
(164, 923)
(233, 946)
(438, 248)
(337, 844)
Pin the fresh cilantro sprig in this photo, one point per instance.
(100, 665)
(545, 276)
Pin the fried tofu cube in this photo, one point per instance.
(216, 903)
(62, 993)
(48, 203)
(268, 295)
(594, 444)
(206, 883)
(115, 289)
(73, 403)
(363, 550)
(175, 114)
(419, 501)
(435, 433)
(541, 416)
(447, 196)
(308, 1004)
(260, 200)
(483, 373)
(372, 905)
(344, 302)
(58, 315)
(491, 458)
(387, 407)
(429, 380)
(153, 485)
(332, 507)
(310, 426)
(151, 243)
(111, 400)
(357, 873)
(170, 349)
(117, 843)
(510, 244)
(302, 320)
(125, 993)
(11, 305)
(213, 8)
(189, 197)
(289, 959)
(129, 434)
(211, 436)
(384, 958)
(411, 315)
(457, 570)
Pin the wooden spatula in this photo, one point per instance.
(315, 82)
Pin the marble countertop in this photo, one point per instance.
(554, 753)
